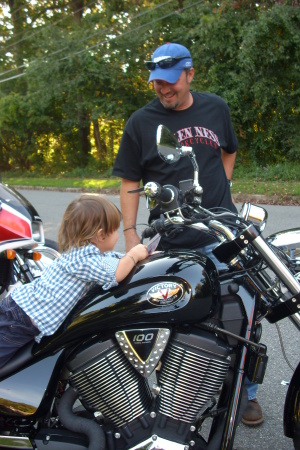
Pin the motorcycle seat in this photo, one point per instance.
(22, 356)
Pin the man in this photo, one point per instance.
(199, 120)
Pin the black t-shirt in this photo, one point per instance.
(205, 125)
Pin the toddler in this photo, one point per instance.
(87, 237)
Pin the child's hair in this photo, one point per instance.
(85, 216)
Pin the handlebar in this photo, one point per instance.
(234, 237)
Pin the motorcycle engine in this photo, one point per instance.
(113, 386)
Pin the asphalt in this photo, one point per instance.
(259, 199)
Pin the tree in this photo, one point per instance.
(269, 83)
(76, 72)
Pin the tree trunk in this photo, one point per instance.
(77, 9)
(99, 141)
(84, 136)
(17, 18)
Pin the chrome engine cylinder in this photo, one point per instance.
(193, 369)
(109, 384)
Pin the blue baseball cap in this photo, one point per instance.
(168, 62)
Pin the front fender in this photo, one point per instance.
(288, 241)
(291, 416)
(288, 244)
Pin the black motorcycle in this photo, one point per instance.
(148, 364)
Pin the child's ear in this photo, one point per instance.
(100, 235)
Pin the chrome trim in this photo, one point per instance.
(37, 230)
(16, 442)
(145, 368)
(286, 239)
(48, 252)
(295, 318)
(157, 442)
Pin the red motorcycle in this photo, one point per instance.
(24, 252)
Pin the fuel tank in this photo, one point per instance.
(166, 288)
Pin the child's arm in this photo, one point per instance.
(128, 261)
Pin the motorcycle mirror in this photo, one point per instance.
(167, 146)
(170, 152)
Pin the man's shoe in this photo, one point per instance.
(253, 415)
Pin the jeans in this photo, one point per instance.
(16, 329)
(251, 389)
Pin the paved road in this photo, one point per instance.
(271, 394)
(51, 205)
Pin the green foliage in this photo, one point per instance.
(269, 85)
(17, 137)
(286, 171)
(249, 54)
(80, 75)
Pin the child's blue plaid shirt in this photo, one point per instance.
(49, 299)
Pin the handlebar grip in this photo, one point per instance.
(148, 232)
(162, 194)
(166, 195)
(157, 226)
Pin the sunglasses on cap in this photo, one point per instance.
(164, 63)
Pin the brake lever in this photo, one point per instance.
(133, 191)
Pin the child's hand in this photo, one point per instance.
(139, 252)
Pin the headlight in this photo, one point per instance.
(255, 214)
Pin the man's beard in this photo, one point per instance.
(169, 106)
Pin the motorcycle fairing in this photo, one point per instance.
(13, 225)
(20, 224)
(15, 200)
(30, 391)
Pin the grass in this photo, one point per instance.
(279, 188)
(268, 188)
(92, 184)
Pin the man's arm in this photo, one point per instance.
(228, 160)
(129, 207)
